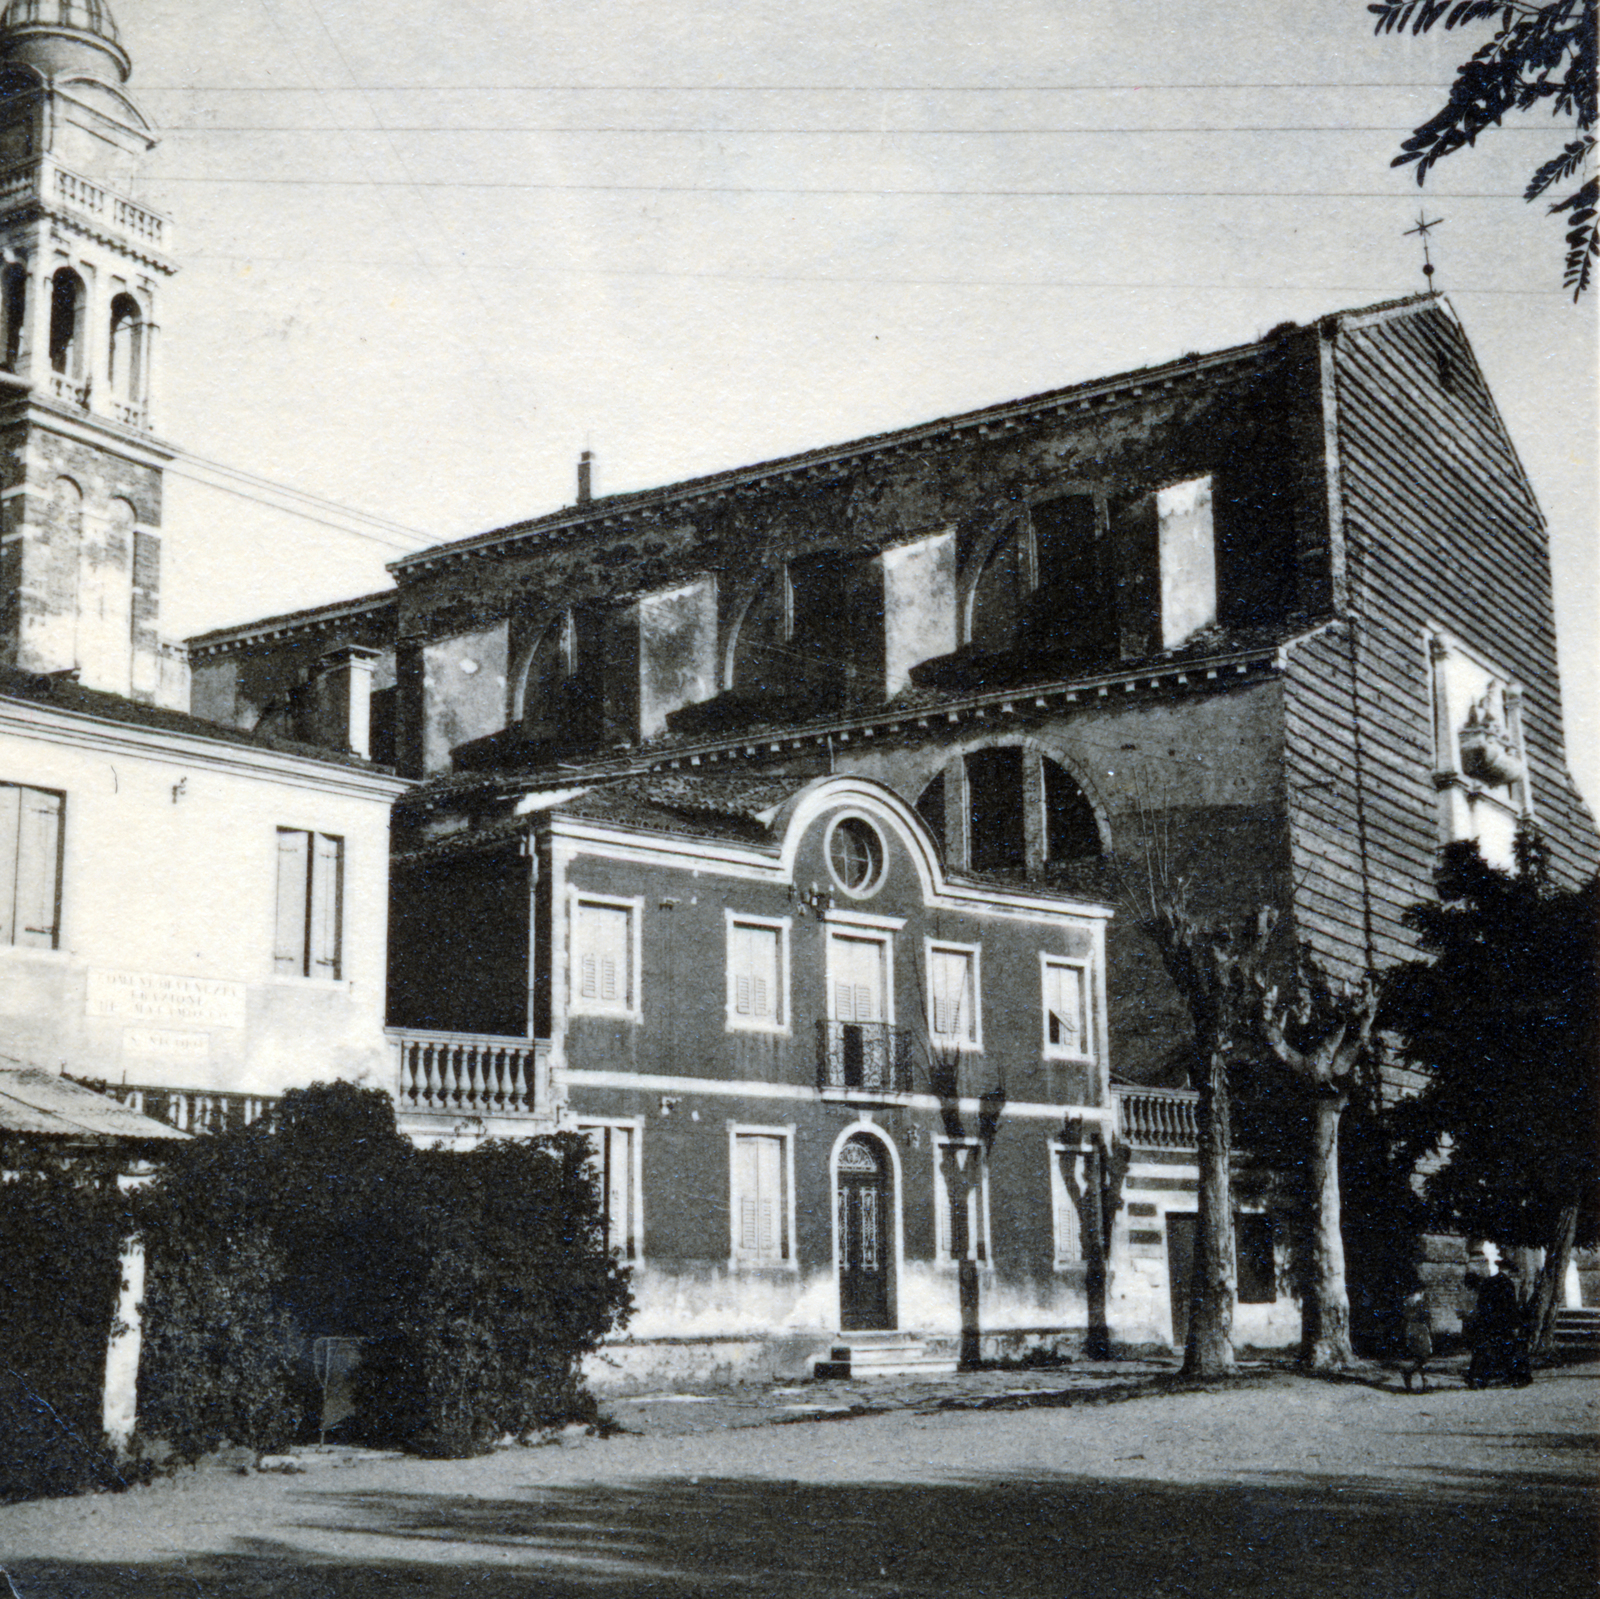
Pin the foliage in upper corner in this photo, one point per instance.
(1503, 1019)
(1539, 55)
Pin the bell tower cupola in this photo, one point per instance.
(82, 262)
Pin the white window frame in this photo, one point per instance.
(1085, 969)
(635, 1124)
(973, 1042)
(1061, 1202)
(980, 1247)
(778, 1024)
(577, 1005)
(741, 1258)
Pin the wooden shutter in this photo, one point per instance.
(619, 1189)
(950, 978)
(294, 905)
(38, 868)
(10, 827)
(1069, 1231)
(327, 896)
(603, 936)
(753, 956)
(856, 969)
(1064, 1007)
(758, 1176)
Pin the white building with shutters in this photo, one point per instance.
(191, 916)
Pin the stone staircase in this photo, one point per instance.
(1578, 1329)
(888, 1354)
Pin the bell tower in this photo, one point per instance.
(81, 266)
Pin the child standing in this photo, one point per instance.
(1419, 1339)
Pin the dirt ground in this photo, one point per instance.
(999, 1487)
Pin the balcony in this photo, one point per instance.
(1157, 1118)
(866, 1057)
(472, 1074)
(45, 180)
(190, 1110)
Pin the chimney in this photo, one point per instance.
(346, 698)
(585, 485)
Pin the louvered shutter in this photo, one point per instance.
(1064, 1007)
(950, 973)
(602, 934)
(327, 896)
(294, 878)
(769, 1189)
(1069, 1231)
(619, 1190)
(10, 828)
(753, 959)
(38, 868)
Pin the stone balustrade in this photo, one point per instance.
(1157, 1118)
(471, 1074)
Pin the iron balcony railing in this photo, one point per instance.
(864, 1055)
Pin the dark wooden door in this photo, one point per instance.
(1180, 1271)
(864, 1199)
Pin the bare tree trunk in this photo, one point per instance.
(1209, 1351)
(1097, 1346)
(1550, 1289)
(1325, 1303)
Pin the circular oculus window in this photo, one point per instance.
(856, 855)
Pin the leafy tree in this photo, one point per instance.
(1503, 1018)
(1541, 52)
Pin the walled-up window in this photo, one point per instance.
(126, 356)
(14, 307)
(66, 323)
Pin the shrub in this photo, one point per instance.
(63, 1223)
(477, 1280)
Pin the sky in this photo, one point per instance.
(429, 254)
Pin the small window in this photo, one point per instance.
(759, 1202)
(310, 904)
(30, 866)
(757, 974)
(1254, 1238)
(604, 938)
(613, 1147)
(961, 1200)
(1066, 1008)
(855, 855)
(1069, 1171)
(953, 1014)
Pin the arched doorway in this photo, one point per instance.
(865, 1208)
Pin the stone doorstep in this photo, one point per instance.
(886, 1354)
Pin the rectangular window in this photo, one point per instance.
(1069, 1170)
(961, 1200)
(30, 866)
(310, 904)
(757, 975)
(612, 1161)
(953, 1019)
(759, 1203)
(1066, 1008)
(604, 939)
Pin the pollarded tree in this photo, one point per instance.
(1321, 1034)
(1503, 1018)
(1541, 55)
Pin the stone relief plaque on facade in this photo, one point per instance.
(163, 997)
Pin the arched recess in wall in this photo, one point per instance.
(794, 639)
(125, 357)
(14, 309)
(539, 700)
(1010, 807)
(67, 298)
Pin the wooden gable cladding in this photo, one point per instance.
(1441, 531)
